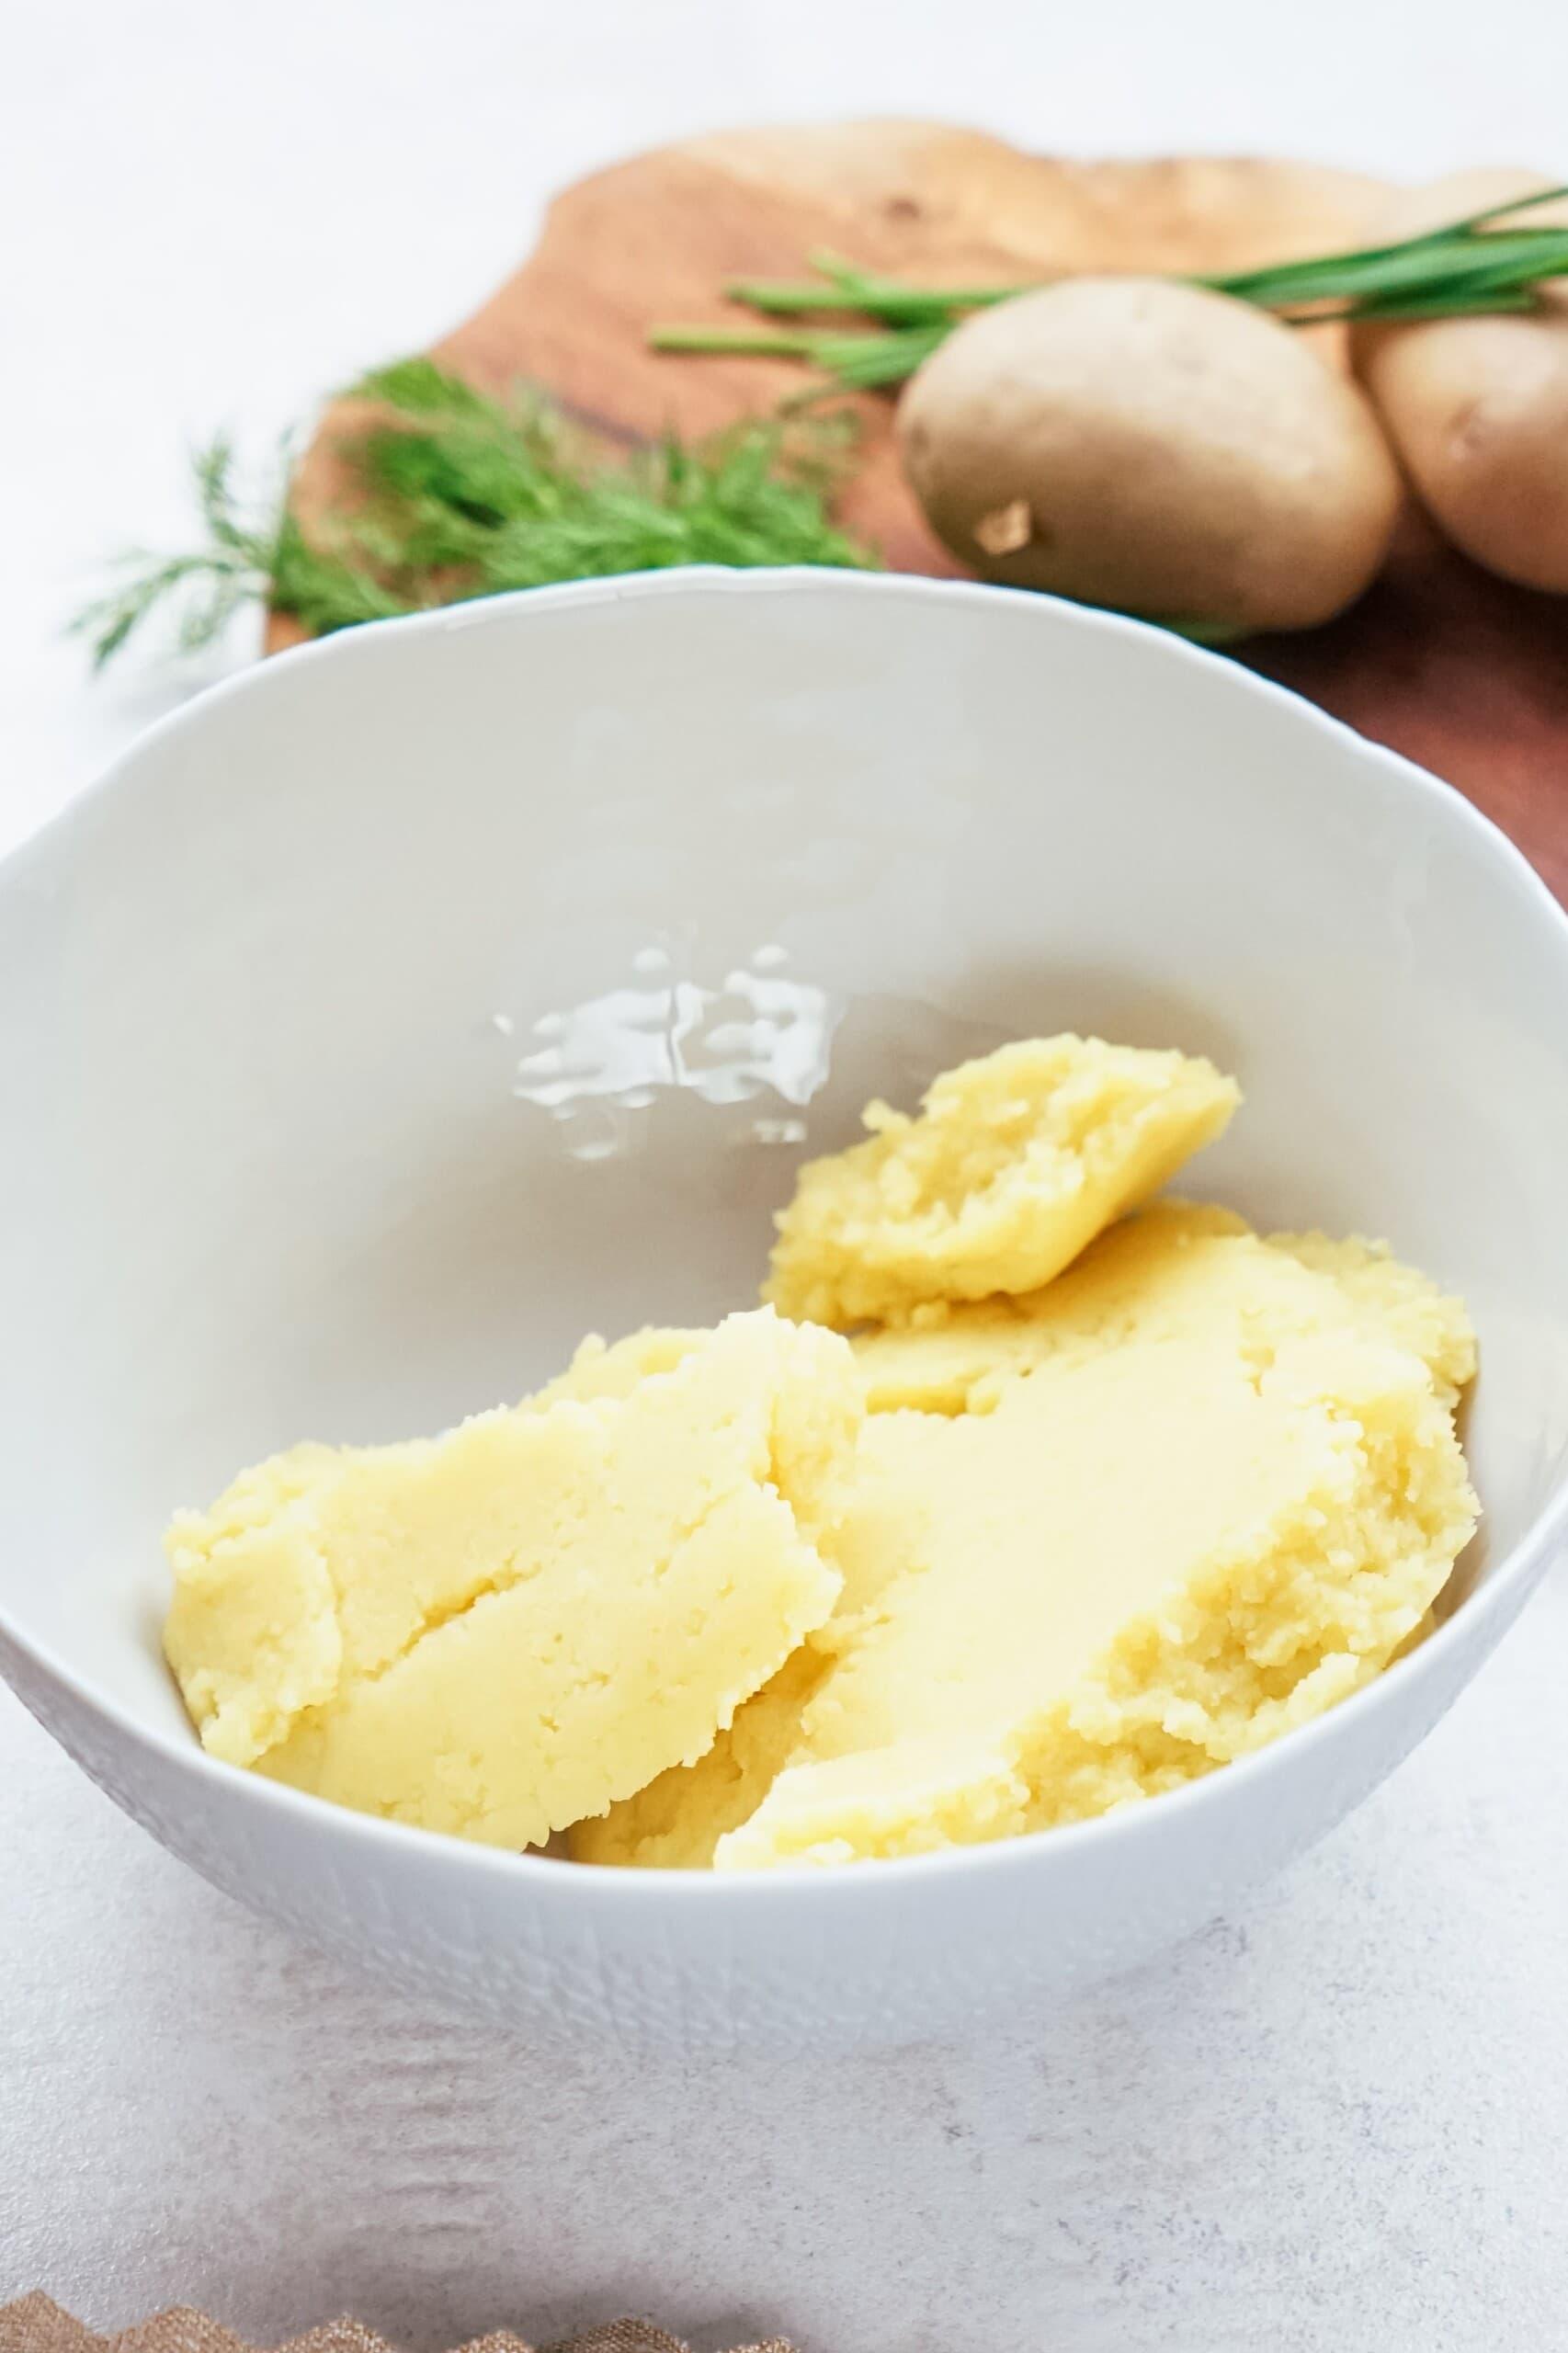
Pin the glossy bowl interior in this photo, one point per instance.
(417, 1001)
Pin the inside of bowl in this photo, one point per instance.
(424, 1002)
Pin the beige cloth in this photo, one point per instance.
(34, 2324)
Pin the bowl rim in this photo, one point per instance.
(1505, 1588)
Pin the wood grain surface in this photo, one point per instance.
(1458, 670)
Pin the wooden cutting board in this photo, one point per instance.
(1466, 675)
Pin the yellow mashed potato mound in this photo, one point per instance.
(497, 1631)
(1014, 1163)
(1134, 1569)
(1023, 1535)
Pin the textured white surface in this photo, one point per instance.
(1329, 2122)
(1326, 2123)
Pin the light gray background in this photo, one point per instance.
(1334, 2121)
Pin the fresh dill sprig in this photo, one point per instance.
(1467, 266)
(457, 496)
(243, 557)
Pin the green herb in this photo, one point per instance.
(855, 363)
(244, 558)
(458, 495)
(1467, 266)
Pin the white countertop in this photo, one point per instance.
(1335, 2121)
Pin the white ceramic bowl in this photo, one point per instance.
(398, 1012)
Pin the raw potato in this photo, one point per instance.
(1152, 447)
(1478, 407)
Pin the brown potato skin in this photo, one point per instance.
(1477, 408)
(1179, 455)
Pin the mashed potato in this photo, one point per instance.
(1095, 1499)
